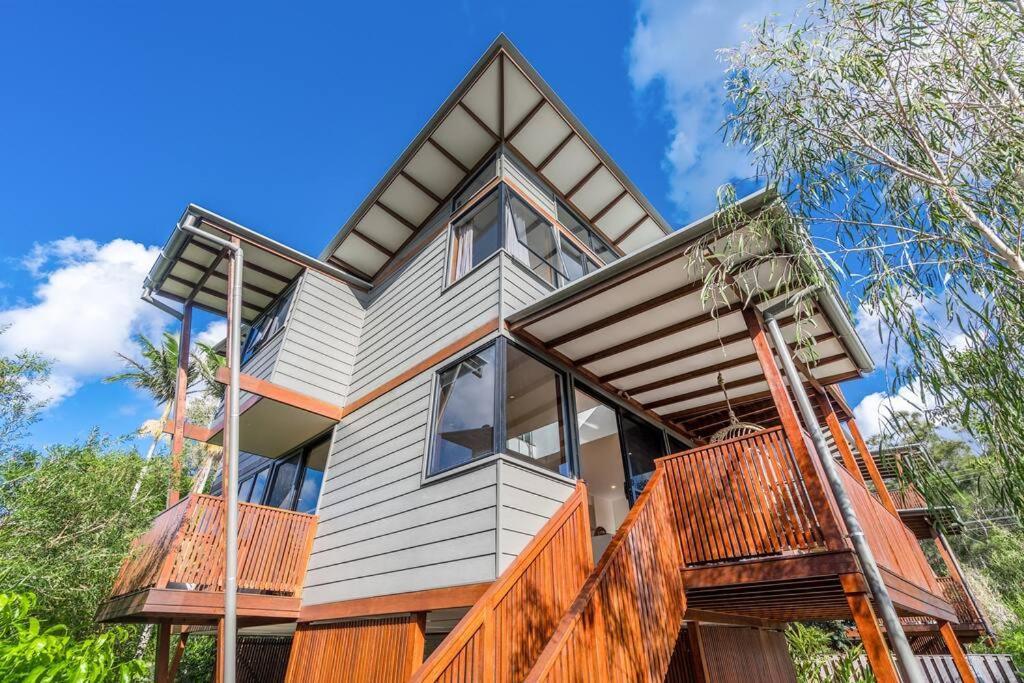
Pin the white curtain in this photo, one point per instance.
(464, 257)
(512, 243)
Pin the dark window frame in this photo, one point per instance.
(251, 348)
(499, 415)
(275, 464)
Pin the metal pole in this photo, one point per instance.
(230, 487)
(910, 670)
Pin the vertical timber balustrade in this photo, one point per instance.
(501, 636)
(185, 547)
(957, 590)
(624, 624)
(371, 650)
(740, 499)
(180, 403)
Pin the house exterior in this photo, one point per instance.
(481, 431)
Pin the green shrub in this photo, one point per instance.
(34, 654)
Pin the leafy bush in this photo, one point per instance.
(818, 659)
(31, 653)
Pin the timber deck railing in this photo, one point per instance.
(500, 637)
(751, 497)
(908, 498)
(742, 498)
(184, 549)
(957, 596)
(624, 624)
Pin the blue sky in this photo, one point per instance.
(116, 115)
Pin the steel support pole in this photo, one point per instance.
(230, 479)
(909, 668)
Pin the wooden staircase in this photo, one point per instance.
(552, 616)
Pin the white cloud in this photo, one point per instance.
(882, 341)
(83, 311)
(214, 333)
(674, 44)
(876, 411)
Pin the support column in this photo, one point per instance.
(218, 668)
(869, 461)
(870, 632)
(180, 403)
(163, 650)
(179, 651)
(963, 666)
(813, 478)
(832, 420)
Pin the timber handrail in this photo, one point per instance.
(624, 624)
(956, 595)
(742, 498)
(501, 635)
(184, 549)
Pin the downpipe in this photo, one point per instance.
(910, 669)
(230, 449)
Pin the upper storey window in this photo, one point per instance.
(504, 219)
(270, 322)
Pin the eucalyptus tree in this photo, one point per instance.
(20, 375)
(894, 131)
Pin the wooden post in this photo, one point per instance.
(700, 670)
(180, 407)
(870, 632)
(218, 669)
(417, 640)
(963, 666)
(814, 479)
(163, 650)
(179, 650)
(832, 421)
(869, 461)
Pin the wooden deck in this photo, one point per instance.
(175, 570)
(762, 536)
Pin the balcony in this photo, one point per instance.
(175, 570)
(762, 535)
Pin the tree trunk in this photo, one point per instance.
(152, 449)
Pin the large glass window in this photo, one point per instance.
(585, 234)
(465, 411)
(473, 419)
(476, 236)
(575, 264)
(268, 324)
(534, 422)
(313, 477)
(531, 238)
(643, 443)
(282, 491)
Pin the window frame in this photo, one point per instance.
(288, 293)
(499, 415)
(273, 469)
(505, 190)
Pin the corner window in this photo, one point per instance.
(585, 234)
(475, 418)
(575, 264)
(465, 411)
(531, 239)
(485, 175)
(534, 419)
(292, 482)
(476, 236)
(268, 324)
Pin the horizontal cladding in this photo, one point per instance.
(528, 499)
(381, 530)
(321, 339)
(519, 288)
(413, 317)
(261, 364)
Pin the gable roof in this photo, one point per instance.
(502, 100)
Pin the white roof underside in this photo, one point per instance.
(650, 333)
(502, 100)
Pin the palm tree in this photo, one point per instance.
(156, 372)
